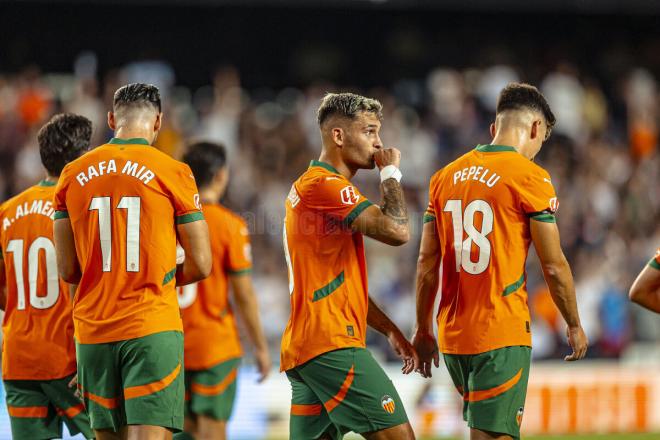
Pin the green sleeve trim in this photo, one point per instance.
(329, 288)
(545, 218)
(428, 218)
(61, 214)
(508, 290)
(350, 218)
(169, 276)
(189, 218)
(654, 264)
(239, 272)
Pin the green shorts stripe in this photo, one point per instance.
(133, 382)
(212, 392)
(341, 391)
(493, 386)
(38, 408)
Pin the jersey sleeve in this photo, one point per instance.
(59, 197)
(239, 250)
(336, 197)
(429, 214)
(538, 199)
(655, 261)
(185, 196)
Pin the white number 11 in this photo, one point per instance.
(132, 207)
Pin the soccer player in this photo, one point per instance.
(212, 349)
(38, 355)
(119, 211)
(485, 208)
(337, 386)
(645, 291)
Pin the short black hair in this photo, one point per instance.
(347, 105)
(63, 139)
(517, 96)
(137, 94)
(205, 159)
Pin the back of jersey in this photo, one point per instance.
(482, 204)
(37, 327)
(124, 200)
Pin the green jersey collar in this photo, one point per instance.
(133, 141)
(490, 148)
(316, 163)
(46, 183)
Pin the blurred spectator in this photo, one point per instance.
(607, 182)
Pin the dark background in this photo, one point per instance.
(280, 43)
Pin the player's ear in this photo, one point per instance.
(111, 121)
(534, 132)
(493, 129)
(157, 124)
(338, 136)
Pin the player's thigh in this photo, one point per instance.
(497, 390)
(99, 383)
(30, 413)
(355, 391)
(68, 405)
(308, 420)
(212, 391)
(458, 367)
(153, 380)
(399, 432)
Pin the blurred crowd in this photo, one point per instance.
(603, 158)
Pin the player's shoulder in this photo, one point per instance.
(18, 199)
(528, 171)
(447, 170)
(318, 176)
(231, 222)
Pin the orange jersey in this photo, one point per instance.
(37, 328)
(326, 264)
(209, 327)
(482, 204)
(124, 200)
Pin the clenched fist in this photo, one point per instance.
(387, 156)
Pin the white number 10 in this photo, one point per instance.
(464, 221)
(132, 207)
(16, 247)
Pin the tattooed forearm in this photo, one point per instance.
(394, 204)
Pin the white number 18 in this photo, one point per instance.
(464, 221)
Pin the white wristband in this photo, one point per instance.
(390, 172)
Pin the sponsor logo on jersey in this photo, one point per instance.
(293, 197)
(348, 196)
(554, 204)
(519, 415)
(388, 404)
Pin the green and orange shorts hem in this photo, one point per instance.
(340, 391)
(211, 392)
(38, 408)
(493, 385)
(138, 381)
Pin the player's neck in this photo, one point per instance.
(209, 196)
(509, 141)
(133, 133)
(50, 179)
(337, 164)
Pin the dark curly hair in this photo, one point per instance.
(516, 96)
(63, 139)
(205, 159)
